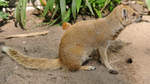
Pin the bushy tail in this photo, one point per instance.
(31, 62)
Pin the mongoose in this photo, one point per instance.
(80, 40)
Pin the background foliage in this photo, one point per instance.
(21, 13)
(3, 4)
(59, 11)
(148, 4)
(69, 9)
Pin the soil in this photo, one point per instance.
(46, 46)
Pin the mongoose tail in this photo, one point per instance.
(31, 62)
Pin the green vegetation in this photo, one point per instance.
(69, 9)
(3, 15)
(21, 13)
(148, 4)
(59, 11)
(3, 3)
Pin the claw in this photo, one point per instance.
(113, 72)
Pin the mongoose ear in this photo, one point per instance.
(124, 14)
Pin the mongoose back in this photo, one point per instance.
(80, 40)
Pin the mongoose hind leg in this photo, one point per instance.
(78, 62)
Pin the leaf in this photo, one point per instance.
(98, 12)
(3, 15)
(3, 3)
(55, 11)
(78, 4)
(67, 17)
(54, 21)
(21, 13)
(46, 8)
(111, 6)
(51, 4)
(100, 1)
(105, 4)
(63, 8)
(89, 6)
(17, 15)
(74, 9)
(148, 4)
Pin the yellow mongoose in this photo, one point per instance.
(80, 40)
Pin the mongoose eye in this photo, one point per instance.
(134, 14)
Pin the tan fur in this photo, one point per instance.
(66, 25)
(82, 38)
(31, 62)
(43, 2)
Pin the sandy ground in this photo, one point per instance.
(139, 35)
(47, 46)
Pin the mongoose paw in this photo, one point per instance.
(91, 68)
(113, 71)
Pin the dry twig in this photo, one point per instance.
(25, 35)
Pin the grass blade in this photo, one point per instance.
(78, 4)
(51, 4)
(55, 11)
(106, 3)
(23, 13)
(67, 17)
(46, 8)
(98, 12)
(63, 8)
(18, 9)
(74, 8)
(54, 21)
(89, 6)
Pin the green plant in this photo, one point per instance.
(100, 5)
(3, 15)
(3, 3)
(21, 13)
(59, 11)
(148, 4)
(69, 9)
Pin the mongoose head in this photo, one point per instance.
(128, 15)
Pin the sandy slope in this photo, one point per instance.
(139, 35)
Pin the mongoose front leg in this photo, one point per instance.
(104, 58)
